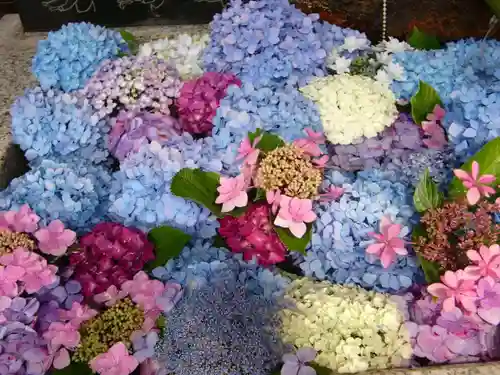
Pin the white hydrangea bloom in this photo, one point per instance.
(342, 65)
(185, 51)
(352, 329)
(353, 43)
(352, 106)
(394, 45)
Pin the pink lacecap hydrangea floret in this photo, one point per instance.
(55, 239)
(22, 220)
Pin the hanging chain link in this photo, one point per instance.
(384, 19)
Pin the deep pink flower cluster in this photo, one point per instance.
(110, 255)
(199, 99)
(253, 235)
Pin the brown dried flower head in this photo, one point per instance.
(9, 241)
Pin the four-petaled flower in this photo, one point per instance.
(296, 364)
(294, 213)
(232, 193)
(388, 244)
(477, 185)
(273, 198)
(60, 337)
(23, 220)
(487, 262)
(332, 194)
(171, 295)
(116, 361)
(77, 314)
(310, 144)
(456, 288)
(437, 113)
(248, 152)
(55, 239)
(9, 276)
(144, 291)
(488, 292)
(110, 296)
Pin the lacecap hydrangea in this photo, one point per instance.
(339, 235)
(70, 55)
(467, 77)
(74, 193)
(58, 126)
(270, 43)
(140, 191)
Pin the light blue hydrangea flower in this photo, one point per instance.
(74, 193)
(140, 191)
(270, 43)
(283, 111)
(467, 76)
(340, 234)
(70, 55)
(58, 126)
(200, 262)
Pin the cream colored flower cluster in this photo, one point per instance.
(352, 329)
(185, 51)
(352, 106)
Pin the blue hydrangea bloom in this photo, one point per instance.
(340, 234)
(200, 263)
(70, 55)
(58, 126)
(270, 43)
(283, 111)
(467, 76)
(140, 191)
(74, 193)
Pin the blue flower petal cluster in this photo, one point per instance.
(467, 76)
(270, 43)
(340, 234)
(283, 111)
(58, 126)
(140, 191)
(201, 262)
(69, 56)
(74, 193)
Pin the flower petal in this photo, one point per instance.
(298, 229)
(375, 248)
(473, 196)
(306, 354)
(475, 170)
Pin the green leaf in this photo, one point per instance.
(423, 102)
(427, 194)
(320, 370)
(131, 40)
(168, 243)
(489, 163)
(75, 368)
(237, 212)
(198, 186)
(161, 322)
(259, 195)
(268, 141)
(420, 40)
(432, 270)
(219, 242)
(495, 6)
(293, 243)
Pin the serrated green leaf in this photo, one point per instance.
(259, 195)
(168, 243)
(432, 270)
(420, 40)
(293, 243)
(427, 194)
(74, 368)
(198, 186)
(268, 141)
(423, 102)
(131, 40)
(489, 163)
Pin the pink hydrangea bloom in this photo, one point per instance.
(321, 161)
(77, 314)
(331, 194)
(116, 361)
(436, 137)
(273, 198)
(9, 276)
(308, 147)
(455, 289)
(172, 294)
(110, 296)
(431, 343)
(488, 292)
(477, 185)
(23, 220)
(437, 113)
(61, 359)
(62, 335)
(487, 262)
(388, 242)
(294, 213)
(55, 239)
(144, 291)
(463, 333)
(232, 193)
(248, 152)
(318, 137)
(37, 273)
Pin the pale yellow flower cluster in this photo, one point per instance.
(352, 329)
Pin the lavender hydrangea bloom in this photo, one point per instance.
(238, 334)
(22, 310)
(200, 262)
(130, 130)
(74, 193)
(270, 43)
(339, 238)
(69, 56)
(55, 125)
(134, 84)
(467, 77)
(64, 293)
(140, 191)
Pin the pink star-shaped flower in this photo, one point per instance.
(332, 194)
(456, 289)
(232, 193)
(477, 185)
(294, 213)
(116, 361)
(248, 152)
(487, 262)
(388, 243)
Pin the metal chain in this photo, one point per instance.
(384, 19)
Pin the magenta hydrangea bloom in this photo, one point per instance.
(109, 255)
(130, 130)
(199, 99)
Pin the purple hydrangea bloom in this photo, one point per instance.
(22, 310)
(64, 293)
(69, 56)
(130, 130)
